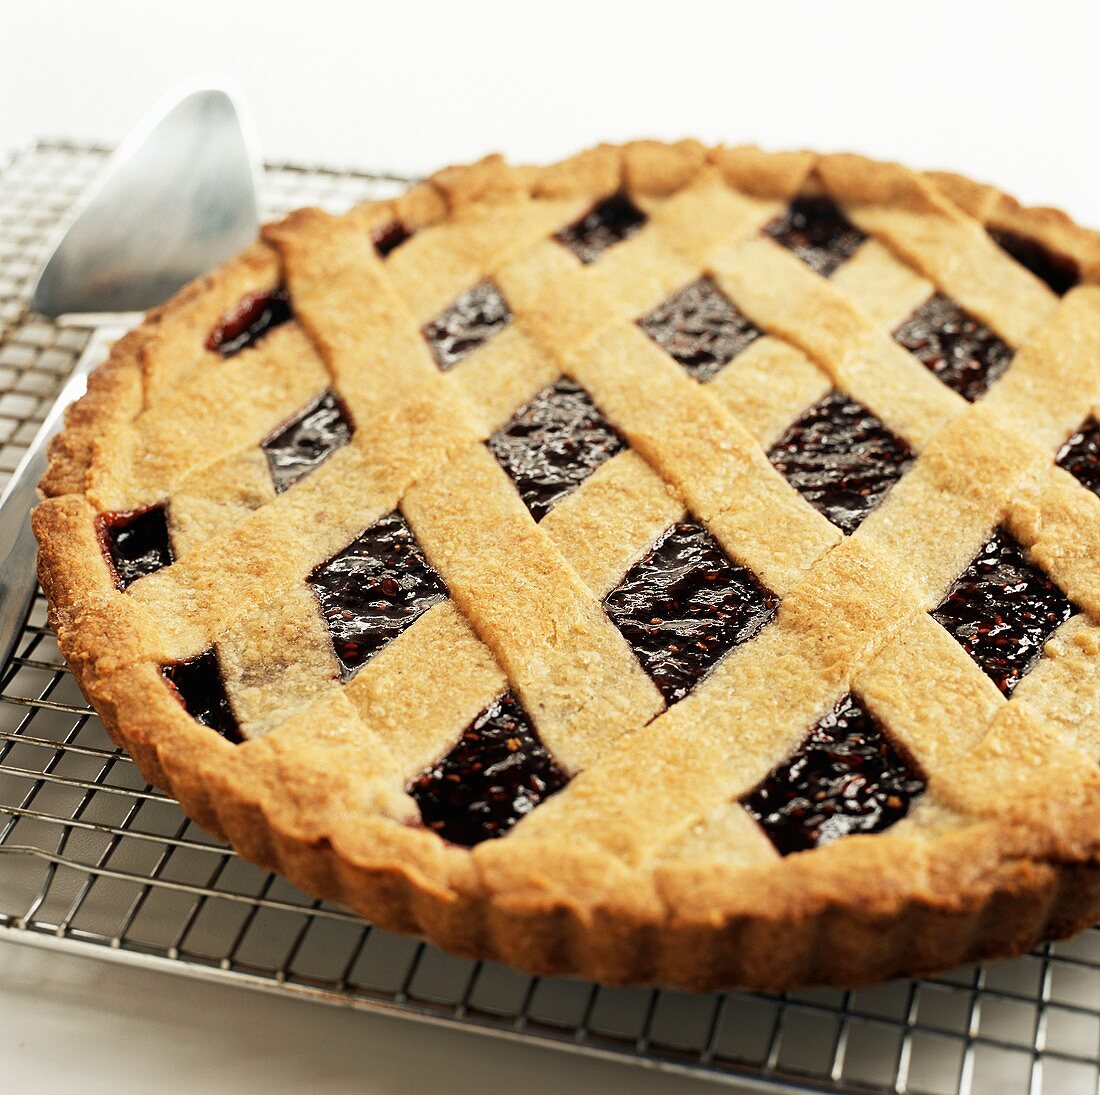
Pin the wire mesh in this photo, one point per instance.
(91, 857)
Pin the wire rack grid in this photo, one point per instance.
(94, 859)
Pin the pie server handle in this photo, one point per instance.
(18, 548)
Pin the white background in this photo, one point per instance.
(1003, 92)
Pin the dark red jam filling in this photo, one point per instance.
(374, 589)
(388, 237)
(307, 441)
(198, 684)
(473, 319)
(841, 459)
(497, 774)
(553, 445)
(135, 543)
(700, 328)
(684, 605)
(846, 777)
(1060, 272)
(608, 223)
(1080, 455)
(1002, 610)
(965, 354)
(252, 318)
(818, 232)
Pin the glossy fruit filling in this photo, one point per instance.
(374, 589)
(846, 777)
(497, 774)
(700, 328)
(199, 685)
(965, 354)
(841, 459)
(307, 441)
(554, 444)
(607, 223)
(818, 232)
(473, 319)
(684, 605)
(388, 237)
(1002, 610)
(253, 317)
(136, 543)
(1080, 455)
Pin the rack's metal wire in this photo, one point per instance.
(92, 858)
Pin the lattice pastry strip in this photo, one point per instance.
(1054, 378)
(207, 506)
(620, 252)
(264, 387)
(758, 702)
(546, 628)
(601, 528)
(884, 287)
(768, 385)
(988, 492)
(504, 374)
(779, 294)
(276, 660)
(1063, 689)
(1058, 521)
(942, 243)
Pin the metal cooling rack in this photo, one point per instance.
(93, 859)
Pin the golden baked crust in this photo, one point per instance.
(644, 868)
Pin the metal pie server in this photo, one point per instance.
(175, 199)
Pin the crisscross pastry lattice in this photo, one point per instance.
(674, 564)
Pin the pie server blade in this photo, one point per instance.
(175, 199)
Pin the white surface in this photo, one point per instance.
(1003, 92)
(74, 1024)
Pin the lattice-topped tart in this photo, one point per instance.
(672, 565)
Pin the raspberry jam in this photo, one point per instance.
(254, 316)
(841, 459)
(607, 223)
(1002, 610)
(818, 232)
(473, 319)
(846, 777)
(374, 589)
(684, 605)
(553, 445)
(199, 685)
(136, 543)
(965, 354)
(1080, 455)
(700, 328)
(388, 237)
(497, 774)
(307, 441)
